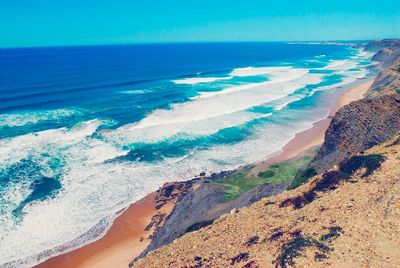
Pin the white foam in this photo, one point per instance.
(340, 65)
(46, 224)
(33, 117)
(135, 92)
(206, 115)
(198, 80)
(277, 76)
(254, 71)
(239, 72)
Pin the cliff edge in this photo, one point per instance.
(346, 217)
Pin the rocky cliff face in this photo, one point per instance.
(376, 45)
(387, 81)
(388, 55)
(357, 127)
(346, 217)
(201, 205)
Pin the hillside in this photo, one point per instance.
(387, 81)
(343, 217)
(388, 56)
(357, 127)
(346, 217)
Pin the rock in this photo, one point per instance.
(376, 45)
(357, 127)
(388, 80)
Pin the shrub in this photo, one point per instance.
(334, 232)
(239, 258)
(293, 249)
(302, 177)
(266, 174)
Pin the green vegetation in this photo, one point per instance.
(398, 91)
(294, 249)
(247, 178)
(333, 233)
(266, 174)
(302, 177)
(331, 179)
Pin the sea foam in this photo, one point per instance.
(207, 114)
(198, 80)
(33, 117)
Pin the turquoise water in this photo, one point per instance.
(85, 131)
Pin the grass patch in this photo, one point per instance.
(302, 177)
(244, 180)
(331, 179)
(266, 174)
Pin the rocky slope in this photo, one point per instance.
(205, 204)
(202, 200)
(387, 81)
(357, 127)
(376, 45)
(388, 55)
(346, 217)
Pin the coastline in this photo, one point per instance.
(123, 241)
(127, 237)
(314, 136)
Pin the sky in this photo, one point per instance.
(25, 23)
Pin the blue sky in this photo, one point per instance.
(82, 22)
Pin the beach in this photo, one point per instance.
(127, 237)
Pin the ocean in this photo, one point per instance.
(86, 131)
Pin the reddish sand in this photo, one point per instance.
(122, 244)
(125, 240)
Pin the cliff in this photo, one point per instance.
(387, 81)
(346, 217)
(376, 45)
(387, 56)
(357, 127)
(206, 199)
(388, 78)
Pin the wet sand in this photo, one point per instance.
(122, 243)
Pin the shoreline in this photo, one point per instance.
(127, 237)
(314, 136)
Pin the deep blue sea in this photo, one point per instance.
(85, 131)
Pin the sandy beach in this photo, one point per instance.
(127, 237)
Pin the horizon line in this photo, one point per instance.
(192, 42)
